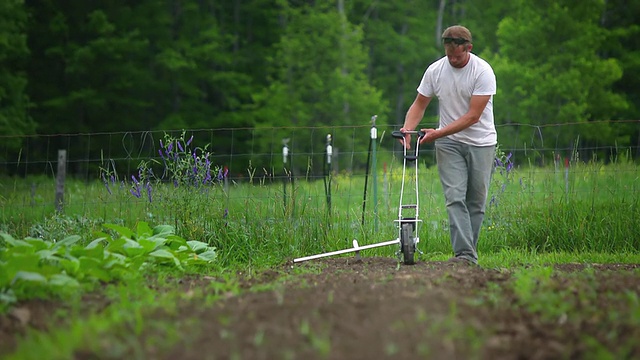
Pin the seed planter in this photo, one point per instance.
(408, 222)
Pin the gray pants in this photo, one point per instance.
(465, 173)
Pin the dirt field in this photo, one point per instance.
(374, 309)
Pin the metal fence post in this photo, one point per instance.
(60, 179)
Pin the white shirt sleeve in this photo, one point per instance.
(486, 83)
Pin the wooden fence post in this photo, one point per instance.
(60, 178)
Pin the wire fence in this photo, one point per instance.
(29, 164)
(238, 149)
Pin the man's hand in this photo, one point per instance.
(430, 135)
(407, 138)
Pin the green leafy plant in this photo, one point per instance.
(33, 267)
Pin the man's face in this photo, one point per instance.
(458, 55)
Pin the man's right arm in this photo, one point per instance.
(414, 116)
(416, 112)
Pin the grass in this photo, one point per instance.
(593, 208)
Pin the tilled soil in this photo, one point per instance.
(343, 308)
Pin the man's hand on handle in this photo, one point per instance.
(428, 135)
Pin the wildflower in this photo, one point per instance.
(106, 183)
(135, 191)
(148, 186)
(190, 139)
(207, 166)
(180, 146)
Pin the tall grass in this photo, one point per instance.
(593, 209)
(589, 207)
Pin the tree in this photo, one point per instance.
(319, 78)
(400, 41)
(620, 18)
(14, 102)
(549, 72)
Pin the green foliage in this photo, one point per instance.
(533, 288)
(318, 77)
(565, 81)
(34, 267)
(117, 66)
(402, 39)
(14, 101)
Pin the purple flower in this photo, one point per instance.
(135, 192)
(190, 139)
(180, 146)
(160, 152)
(149, 191)
(106, 183)
(207, 176)
(161, 143)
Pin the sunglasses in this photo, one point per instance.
(452, 40)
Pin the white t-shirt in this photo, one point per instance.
(453, 87)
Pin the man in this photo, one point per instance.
(465, 139)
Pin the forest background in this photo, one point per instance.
(70, 67)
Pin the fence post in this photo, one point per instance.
(285, 156)
(374, 172)
(328, 173)
(60, 179)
